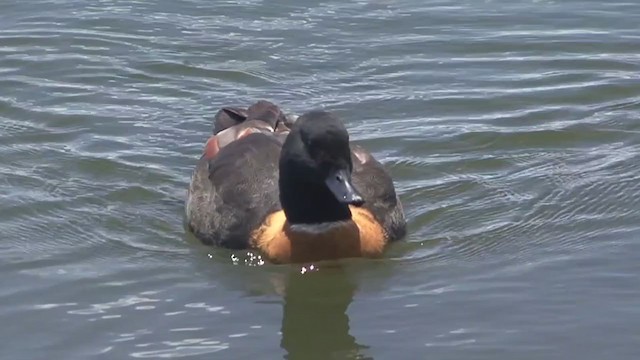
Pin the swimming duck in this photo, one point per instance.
(298, 194)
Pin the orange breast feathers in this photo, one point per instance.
(363, 236)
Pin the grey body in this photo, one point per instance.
(231, 195)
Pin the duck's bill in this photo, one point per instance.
(339, 182)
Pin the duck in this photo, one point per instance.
(294, 189)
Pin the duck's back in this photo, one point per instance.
(232, 193)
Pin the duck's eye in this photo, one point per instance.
(339, 178)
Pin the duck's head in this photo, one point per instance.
(315, 171)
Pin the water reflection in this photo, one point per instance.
(315, 323)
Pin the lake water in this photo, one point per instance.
(511, 128)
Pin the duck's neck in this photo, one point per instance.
(310, 204)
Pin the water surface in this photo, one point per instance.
(511, 128)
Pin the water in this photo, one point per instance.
(511, 128)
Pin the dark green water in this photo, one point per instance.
(512, 129)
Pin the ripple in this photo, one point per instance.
(182, 351)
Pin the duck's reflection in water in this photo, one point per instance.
(315, 324)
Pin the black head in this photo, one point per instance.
(315, 171)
